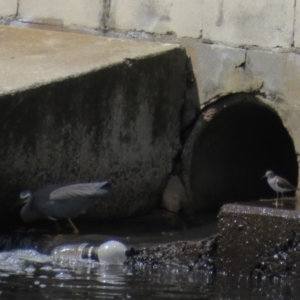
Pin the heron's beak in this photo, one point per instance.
(263, 177)
(107, 187)
(19, 203)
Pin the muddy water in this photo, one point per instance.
(28, 274)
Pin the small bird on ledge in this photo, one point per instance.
(279, 185)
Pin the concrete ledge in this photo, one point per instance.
(82, 108)
(32, 58)
(258, 240)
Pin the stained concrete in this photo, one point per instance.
(279, 72)
(220, 71)
(8, 8)
(78, 12)
(82, 108)
(179, 18)
(296, 27)
(264, 24)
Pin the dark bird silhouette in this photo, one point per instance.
(62, 201)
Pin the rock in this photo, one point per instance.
(174, 196)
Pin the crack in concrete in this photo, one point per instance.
(105, 18)
(17, 9)
(243, 64)
(294, 24)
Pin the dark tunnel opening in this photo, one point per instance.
(235, 150)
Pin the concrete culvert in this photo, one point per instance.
(234, 143)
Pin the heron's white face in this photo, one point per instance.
(25, 196)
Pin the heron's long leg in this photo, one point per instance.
(76, 231)
(57, 226)
(276, 204)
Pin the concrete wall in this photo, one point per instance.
(79, 108)
(248, 46)
(235, 46)
(265, 24)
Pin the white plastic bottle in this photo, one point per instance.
(108, 253)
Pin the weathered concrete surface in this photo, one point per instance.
(178, 17)
(8, 8)
(220, 71)
(279, 72)
(81, 108)
(259, 240)
(264, 24)
(45, 56)
(296, 27)
(67, 13)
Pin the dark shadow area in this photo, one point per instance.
(158, 227)
(235, 150)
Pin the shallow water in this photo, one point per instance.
(26, 274)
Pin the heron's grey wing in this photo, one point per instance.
(67, 208)
(284, 184)
(75, 191)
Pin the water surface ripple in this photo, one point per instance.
(26, 274)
